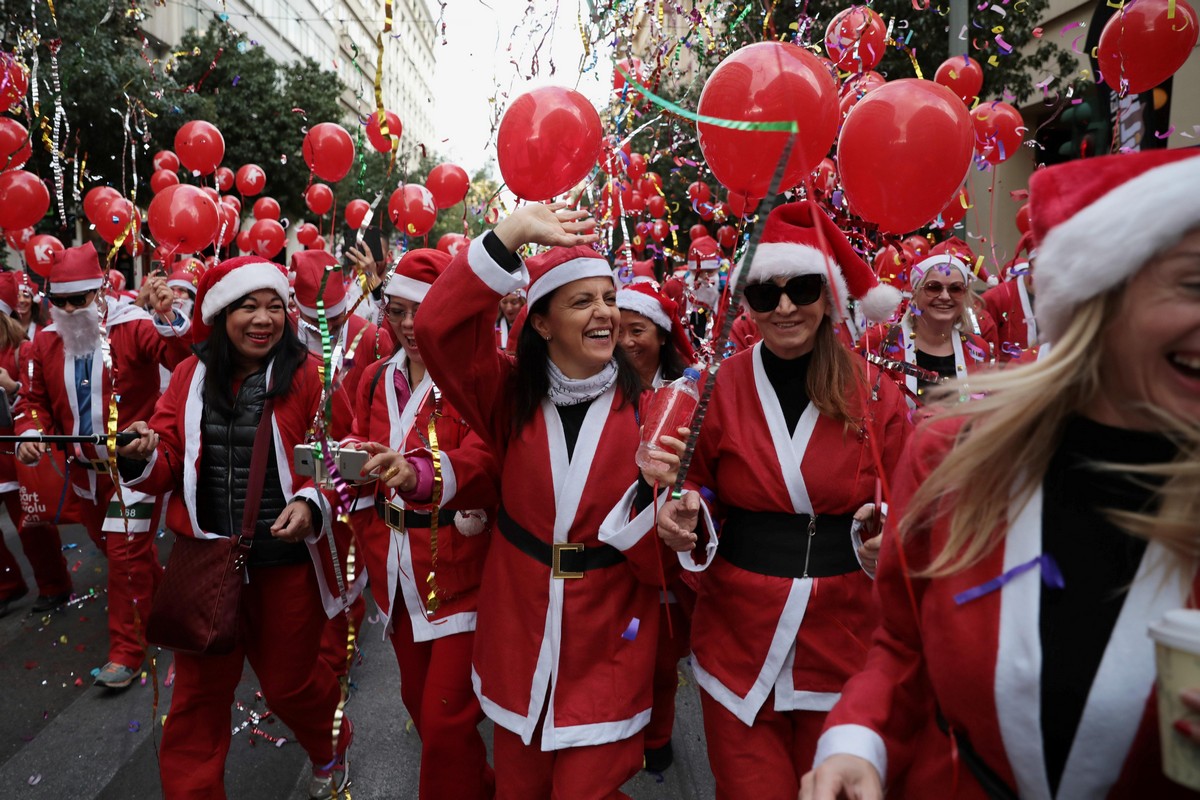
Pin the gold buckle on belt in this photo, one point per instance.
(393, 516)
(556, 570)
(100, 465)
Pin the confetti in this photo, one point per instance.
(631, 630)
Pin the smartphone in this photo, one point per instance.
(349, 461)
(372, 238)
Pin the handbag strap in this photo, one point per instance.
(258, 471)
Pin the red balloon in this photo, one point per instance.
(698, 192)
(411, 208)
(642, 229)
(919, 245)
(39, 253)
(650, 184)
(638, 243)
(165, 159)
(856, 89)
(250, 179)
(707, 211)
(212, 193)
(954, 211)
(657, 206)
(855, 39)
(767, 82)
(317, 244)
(452, 242)
(267, 238)
(266, 208)
(227, 225)
(740, 206)
(697, 231)
(356, 212)
(162, 179)
(244, 243)
(659, 230)
(200, 146)
(727, 237)
(825, 177)
(961, 75)
(307, 233)
(17, 239)
(233, 202)
(96, 201)
(1143, 44)
(116, 220)
(1023, 218)
(635, 204)
(448, 183)
(384, 144)
(636, 167)
(319, 199)
(634, 68)
(328, 151)
(15, 149)
(184, 217)
(903, 153)
(998, 131)
(14, 81)
(224, 178)
(891, 264)
(549, 140)
(24, 199)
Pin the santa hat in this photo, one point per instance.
(8, 292)
(231, 280)
(704, 253)
(182, 279)
(640, 272)
(790, 246)
(26, 284)
(938, 265)
(1096, 222)
(116, 281)
(558, 266)
(75, 270)
(956, 247)
(644, 299)
(416, 272)
(310, 268)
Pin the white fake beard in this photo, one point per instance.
(706, 295)
(79, 329)
(184, 306)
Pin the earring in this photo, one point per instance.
(547, 337)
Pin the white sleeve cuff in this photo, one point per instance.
(687, 559)
(311, 493)
(496, 277)
(146, 470)
(853, 740)
(449, 479)
(168, 329)
(621, 532)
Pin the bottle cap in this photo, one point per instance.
(692, 373)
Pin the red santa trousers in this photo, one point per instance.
(133, 574)
(764, 761)
(674, 643)
(42, 547)
(281, 623)
(435, 685)
(593, 772)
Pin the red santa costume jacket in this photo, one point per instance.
(751, 633)
(1010, 305)
(391, 413)
(971, 352)
(136, 342)
(567, 648)
(991, 690)
(176, 463)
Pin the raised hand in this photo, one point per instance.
(551, 224)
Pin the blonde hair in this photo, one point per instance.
(971, 300)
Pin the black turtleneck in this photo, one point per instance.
(1098, 562)
(789, 379)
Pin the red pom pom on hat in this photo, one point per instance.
(76, 270)
(416, 272)
(310, 268)
(228, 282)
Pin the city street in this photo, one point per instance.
(60, 737)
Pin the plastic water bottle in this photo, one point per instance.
(671, 408)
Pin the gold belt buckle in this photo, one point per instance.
(100, 465)
(393, 516)
(556, 570)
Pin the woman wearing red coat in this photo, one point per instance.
(197, 446)
(799, 432)
(568, 606)
(1039, 529)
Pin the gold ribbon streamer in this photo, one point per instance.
(434, 602)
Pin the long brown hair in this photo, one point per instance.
(12, 332)
(836, 383)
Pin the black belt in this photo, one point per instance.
(95, 465)
(401, 519)
(788, 545)
(991, 783)
(565, 559)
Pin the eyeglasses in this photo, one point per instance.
(392, 312)
(935, 288)
(802, 290)
(64, 300)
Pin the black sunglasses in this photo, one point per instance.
(64, 300)
(802, 290)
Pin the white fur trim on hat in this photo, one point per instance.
(940, 260)
(574, 270)
(182, 284)
(240, 282)
(644, 304)
(1109, 241)
(330, 311)
(76, 287)
(789, 259)
(407, 288)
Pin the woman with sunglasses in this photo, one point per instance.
(1040, 528)
(932, 341)
(799, 432)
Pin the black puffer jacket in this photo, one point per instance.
(227, 443)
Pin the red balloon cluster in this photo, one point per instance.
(411, 208)
(961, 75)
(855, 39)
(448, 183)
(328, 151)
(767, 82)
(549, 140)
(1145, 43)
(200, 147)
